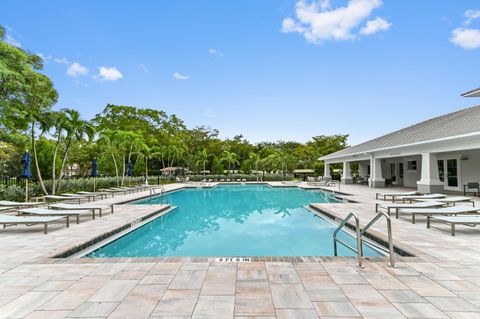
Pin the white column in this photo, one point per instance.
(362, 169)
(376, 179)
(430, 181)
(346, 177)
(326, 171)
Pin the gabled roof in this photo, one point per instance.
(457, 123)
(472, 93)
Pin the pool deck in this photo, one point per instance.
(441, 281)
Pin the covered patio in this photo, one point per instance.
(435, 156)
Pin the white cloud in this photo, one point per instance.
(179, 76)
(109, 73)
(466, 37)
(11, 40)
(318, 21)
(62, 60)
(375, 25)
(471, 15)
(215, 52)
(76, 69)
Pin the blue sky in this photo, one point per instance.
(278, 69)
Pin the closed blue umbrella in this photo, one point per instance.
(130, 168)
(94, 172)
(129, 172)
(26, 161)
(94, 167)
(26, 172)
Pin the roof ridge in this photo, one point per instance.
(436, 127)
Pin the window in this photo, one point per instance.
(412, 165)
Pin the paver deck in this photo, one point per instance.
(441, 281)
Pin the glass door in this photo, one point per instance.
(449, 173)
(452, 173)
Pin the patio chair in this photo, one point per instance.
(411, 198)
(59, 198)
(450, 210)
(101, 194)
(393, 195)
(471, 188)
(9, 220)
(453, 200)
(53, 212)
(397, 206)
(82, 207)
(7, 203)
(465, 220)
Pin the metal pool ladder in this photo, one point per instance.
(359, 232)
(153, 192)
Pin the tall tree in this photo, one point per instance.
(76, 130)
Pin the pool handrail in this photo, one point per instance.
(358, 237)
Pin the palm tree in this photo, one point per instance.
(230, 158)
(128, 142)
(109, 140)
(255, 159)
(76, 130)
(59, 123)
(203, 158)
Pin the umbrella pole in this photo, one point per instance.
(26, 190)
(94, 182)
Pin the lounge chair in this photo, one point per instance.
(59, 198)
(8, 203)
(114, 191)
(9, 220)
(82, 207)
(450, 210)
(54, 212)
(4, 208)
(397, 206)
(466, 220)
(89, 197)
(471, 188)
(101, 194)
(393, 195)
(411, 198)
(452, 200)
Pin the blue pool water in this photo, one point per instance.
(253, 220)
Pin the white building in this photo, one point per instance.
(436, 155)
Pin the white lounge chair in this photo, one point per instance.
(397, 206)
(89, 197)
(470, 221)
(450, 210)
(8, 220)
(82, 207)
(54, 212)
(393, 195)
(19, 204)
(411, 198)
(4, 208)
(114, 191)
(96, 194)
(453, 200)
(59, 198)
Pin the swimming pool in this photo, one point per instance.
(234, 220)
